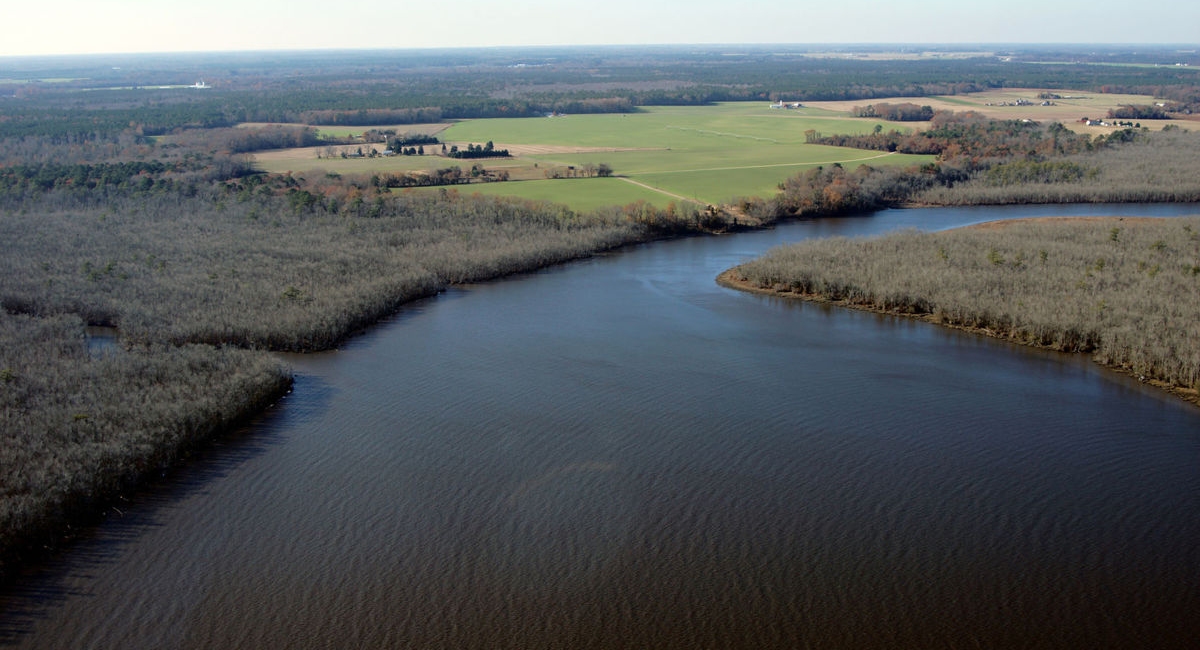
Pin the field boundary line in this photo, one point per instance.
(795, 164)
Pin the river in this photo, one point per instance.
(619, 453)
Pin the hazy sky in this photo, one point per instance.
(84, 26)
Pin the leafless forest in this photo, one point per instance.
(1126, 291)
(78, 426)
(1153, 167)
(257, 274)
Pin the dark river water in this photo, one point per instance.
(618, 453)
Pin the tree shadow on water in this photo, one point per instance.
(54, 576)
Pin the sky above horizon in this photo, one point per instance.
(111, 26)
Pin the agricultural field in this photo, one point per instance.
(699, 154)
(586, 194)
(1002, 104)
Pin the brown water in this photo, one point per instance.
(618, 453)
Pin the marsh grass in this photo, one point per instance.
(1126, 291)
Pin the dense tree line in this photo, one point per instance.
(487, 150)
(398, 143)
(240, 140)
(93, 182)
(438, 177)
(90, 147)
(902, 112)
(369, 116)
(1030, 172)
(25, 178)
(1139, 112)
(586, 170)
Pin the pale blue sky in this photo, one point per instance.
(86, 26)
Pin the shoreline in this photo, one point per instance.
(53, 538)
(81, 509)
(732, 279)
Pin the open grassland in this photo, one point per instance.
(1125, 290)
(706, 154)
(78, 427)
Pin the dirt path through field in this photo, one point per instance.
(660, 191)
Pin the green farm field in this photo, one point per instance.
(585, 193)
(706, 155)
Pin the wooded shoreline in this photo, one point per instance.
(919, 308)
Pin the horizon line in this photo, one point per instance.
(443, 48)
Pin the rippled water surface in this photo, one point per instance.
(619, 453)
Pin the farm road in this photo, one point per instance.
(660, 191)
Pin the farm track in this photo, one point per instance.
(659, 190)
(725, 134)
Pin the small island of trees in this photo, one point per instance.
(488, 150)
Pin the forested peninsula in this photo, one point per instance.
(1125, 291)
(127, 200)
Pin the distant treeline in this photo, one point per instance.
(248, 139)
(83, 180)
(615, 81)
(368, 116)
